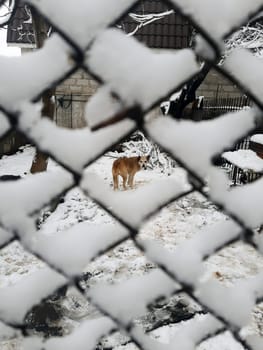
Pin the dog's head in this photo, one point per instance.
(143, 160)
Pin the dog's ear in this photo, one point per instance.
(148, 158)
(139, 158)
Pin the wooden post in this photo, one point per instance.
(41, 28)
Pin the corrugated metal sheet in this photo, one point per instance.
(171, 31)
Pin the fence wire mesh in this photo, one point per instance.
(85, 37)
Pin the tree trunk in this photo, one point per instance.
(188, 93)
(41, 28)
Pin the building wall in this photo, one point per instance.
(73, 93)
(80, 87)
(71, 98)
(78, 83)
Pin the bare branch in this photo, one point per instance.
(144, 20)
(248, 37)
(6, 11)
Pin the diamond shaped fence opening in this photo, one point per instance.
(133, 80)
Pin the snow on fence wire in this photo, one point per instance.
(133, 80)
(213, 108)
(238, 175)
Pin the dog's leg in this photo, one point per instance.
(115, 182)
(130, 182)
(124, 177)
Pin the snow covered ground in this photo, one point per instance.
(175, 223)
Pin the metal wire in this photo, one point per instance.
(197, 184)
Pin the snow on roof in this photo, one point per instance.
(245, 159)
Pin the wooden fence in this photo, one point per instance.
(11, 143)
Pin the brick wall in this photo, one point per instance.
(79, 83)
(72, 96)
(74, 92)
(82, 86)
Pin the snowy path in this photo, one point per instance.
(174, 224)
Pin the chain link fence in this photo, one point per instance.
(86, 37)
